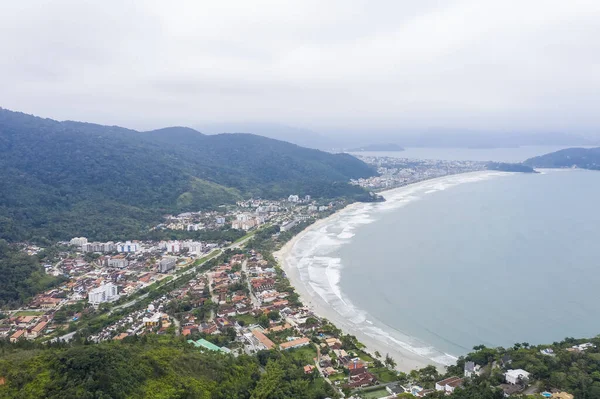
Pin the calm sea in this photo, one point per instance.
(509, 258)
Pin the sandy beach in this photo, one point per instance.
(405, 358)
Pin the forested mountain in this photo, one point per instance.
(151, 367)
(61, 179)
(585, 158)
(22, 276)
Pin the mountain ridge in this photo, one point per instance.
(62, 179)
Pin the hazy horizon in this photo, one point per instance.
(342, 69)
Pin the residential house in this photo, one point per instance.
(449, 384)
(472, 369)
(297, 343)
(516, 377)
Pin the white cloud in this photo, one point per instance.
(488, 65)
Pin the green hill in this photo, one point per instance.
(150, 367)
(63, 179)
(585, 158)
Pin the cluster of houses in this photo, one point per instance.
(397, 172)
(24, 327)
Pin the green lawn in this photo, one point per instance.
(363, 355)
(29, 313)
(305, 354)
(384, 374)
(378, 393)
(338, 377)
(246, 318)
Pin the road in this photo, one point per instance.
(212, 255)
(255, 302)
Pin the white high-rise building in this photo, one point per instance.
(105, 293)
(173, 247)
(128, 247)
(79, 241)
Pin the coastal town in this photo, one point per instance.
(228, 294)
(397, 172)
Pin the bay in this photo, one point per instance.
(505, 259)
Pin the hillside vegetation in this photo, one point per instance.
(585, 158)
(64, 179)
(22, 276)
(150, 367)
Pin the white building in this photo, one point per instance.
(78, 241)
(293, 198)
(472, 369)
(167, 263)
(287, 225)
(173, 247)
(128, 247)
(120, 263)
(220, 220)
(193, 247)
(516, 376)
(105, 293)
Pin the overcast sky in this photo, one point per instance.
(323, 65)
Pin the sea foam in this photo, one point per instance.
(321, 271)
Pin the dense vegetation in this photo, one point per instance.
(64, 179)
(509, 167)
(585, 158)
(150, 367)
(22, 276)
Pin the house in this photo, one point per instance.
(510, 389)
(37, 330)
(561, 395)
(153, 320)
(263, 339)
(516, 377)
(308, 369)
(547, 352)
(448, 384)
(451, 386)
(333, 343)
(424, 392)
(297, 343)
(472, 369)
(395, 389)
(17, 335)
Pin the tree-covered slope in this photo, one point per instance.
(151, 368)
(60, 179)
(585, 158)
(22, 276)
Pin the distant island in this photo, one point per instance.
(377, 147)
(584, 158)
(510, 167)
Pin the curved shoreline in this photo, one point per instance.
(385, 342)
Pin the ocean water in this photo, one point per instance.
(444, 265)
